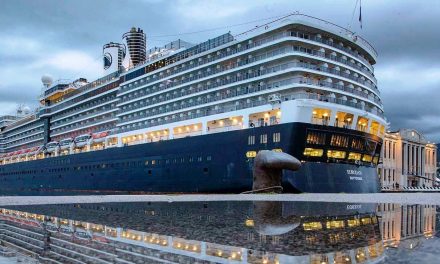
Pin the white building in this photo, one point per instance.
(408, 160)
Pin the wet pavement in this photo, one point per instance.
(265, 229)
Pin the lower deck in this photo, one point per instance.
(334, 160)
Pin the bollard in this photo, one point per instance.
(268, 170)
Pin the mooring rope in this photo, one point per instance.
(264, 189)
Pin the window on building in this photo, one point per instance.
(263, 139)
(251, 140)
(277, 137)
(251, 154)
(339, 141)
(354, 156)
(312, 152)
(336, 154)
(315, 138)
(367, 158)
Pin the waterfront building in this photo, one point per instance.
(299, 85)
(408, 160)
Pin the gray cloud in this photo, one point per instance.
(403, 32)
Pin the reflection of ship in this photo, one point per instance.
(213, 232)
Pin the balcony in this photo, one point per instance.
(285, 50)
(223, 54)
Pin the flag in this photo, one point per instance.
(360, 12)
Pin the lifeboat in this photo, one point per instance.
(81, 141)
(52, 146)
(65, 143)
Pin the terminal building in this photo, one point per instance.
(408, 160)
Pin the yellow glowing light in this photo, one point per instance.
(279, 113)
(179, 245)
(165, 132)
(233, 255)
(314, 112)
(187, 128)
(266, 115)
(325, 114)
(158, 133)
(221, 123)
(195, 248)
(348, 119)
(151, 134)
(249, 222)
(179, 129)
(186, 246)
(234, 121)
(219, 253)
(196, 127)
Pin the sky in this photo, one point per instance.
(65, 38)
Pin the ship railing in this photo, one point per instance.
(73, 119)
(170, 84)
(258, 88)
(320, 121)
(62, 104)
(242, 48)
(312, 96)
(212, 130)
(330, 99)
(84, 106)
(83, 124)
(244, 74)
(187, 134)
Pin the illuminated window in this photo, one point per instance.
(312, 226)
(313, 152)
(277, 150)
(153, 162)
(353, 222)
(367, 158)
(357, 144)
(339, 141)
(354, 156)
(366, 221)
(336, 154)
(315, 138)
(263, 139)
(251, 154)
(335, 224)
(376, 160)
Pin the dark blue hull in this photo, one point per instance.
(214, 163)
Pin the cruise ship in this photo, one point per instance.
(187, 118)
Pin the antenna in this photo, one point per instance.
(352, 16)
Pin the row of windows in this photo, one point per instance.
(276, 137)
(319, 138)
(337, 154)
(128, 164)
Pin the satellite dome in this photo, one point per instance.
(26, 109)
(46, 80)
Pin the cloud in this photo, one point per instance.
(71, 61)
(65, 38)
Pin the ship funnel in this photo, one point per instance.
(113, 56)
(136, 43)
